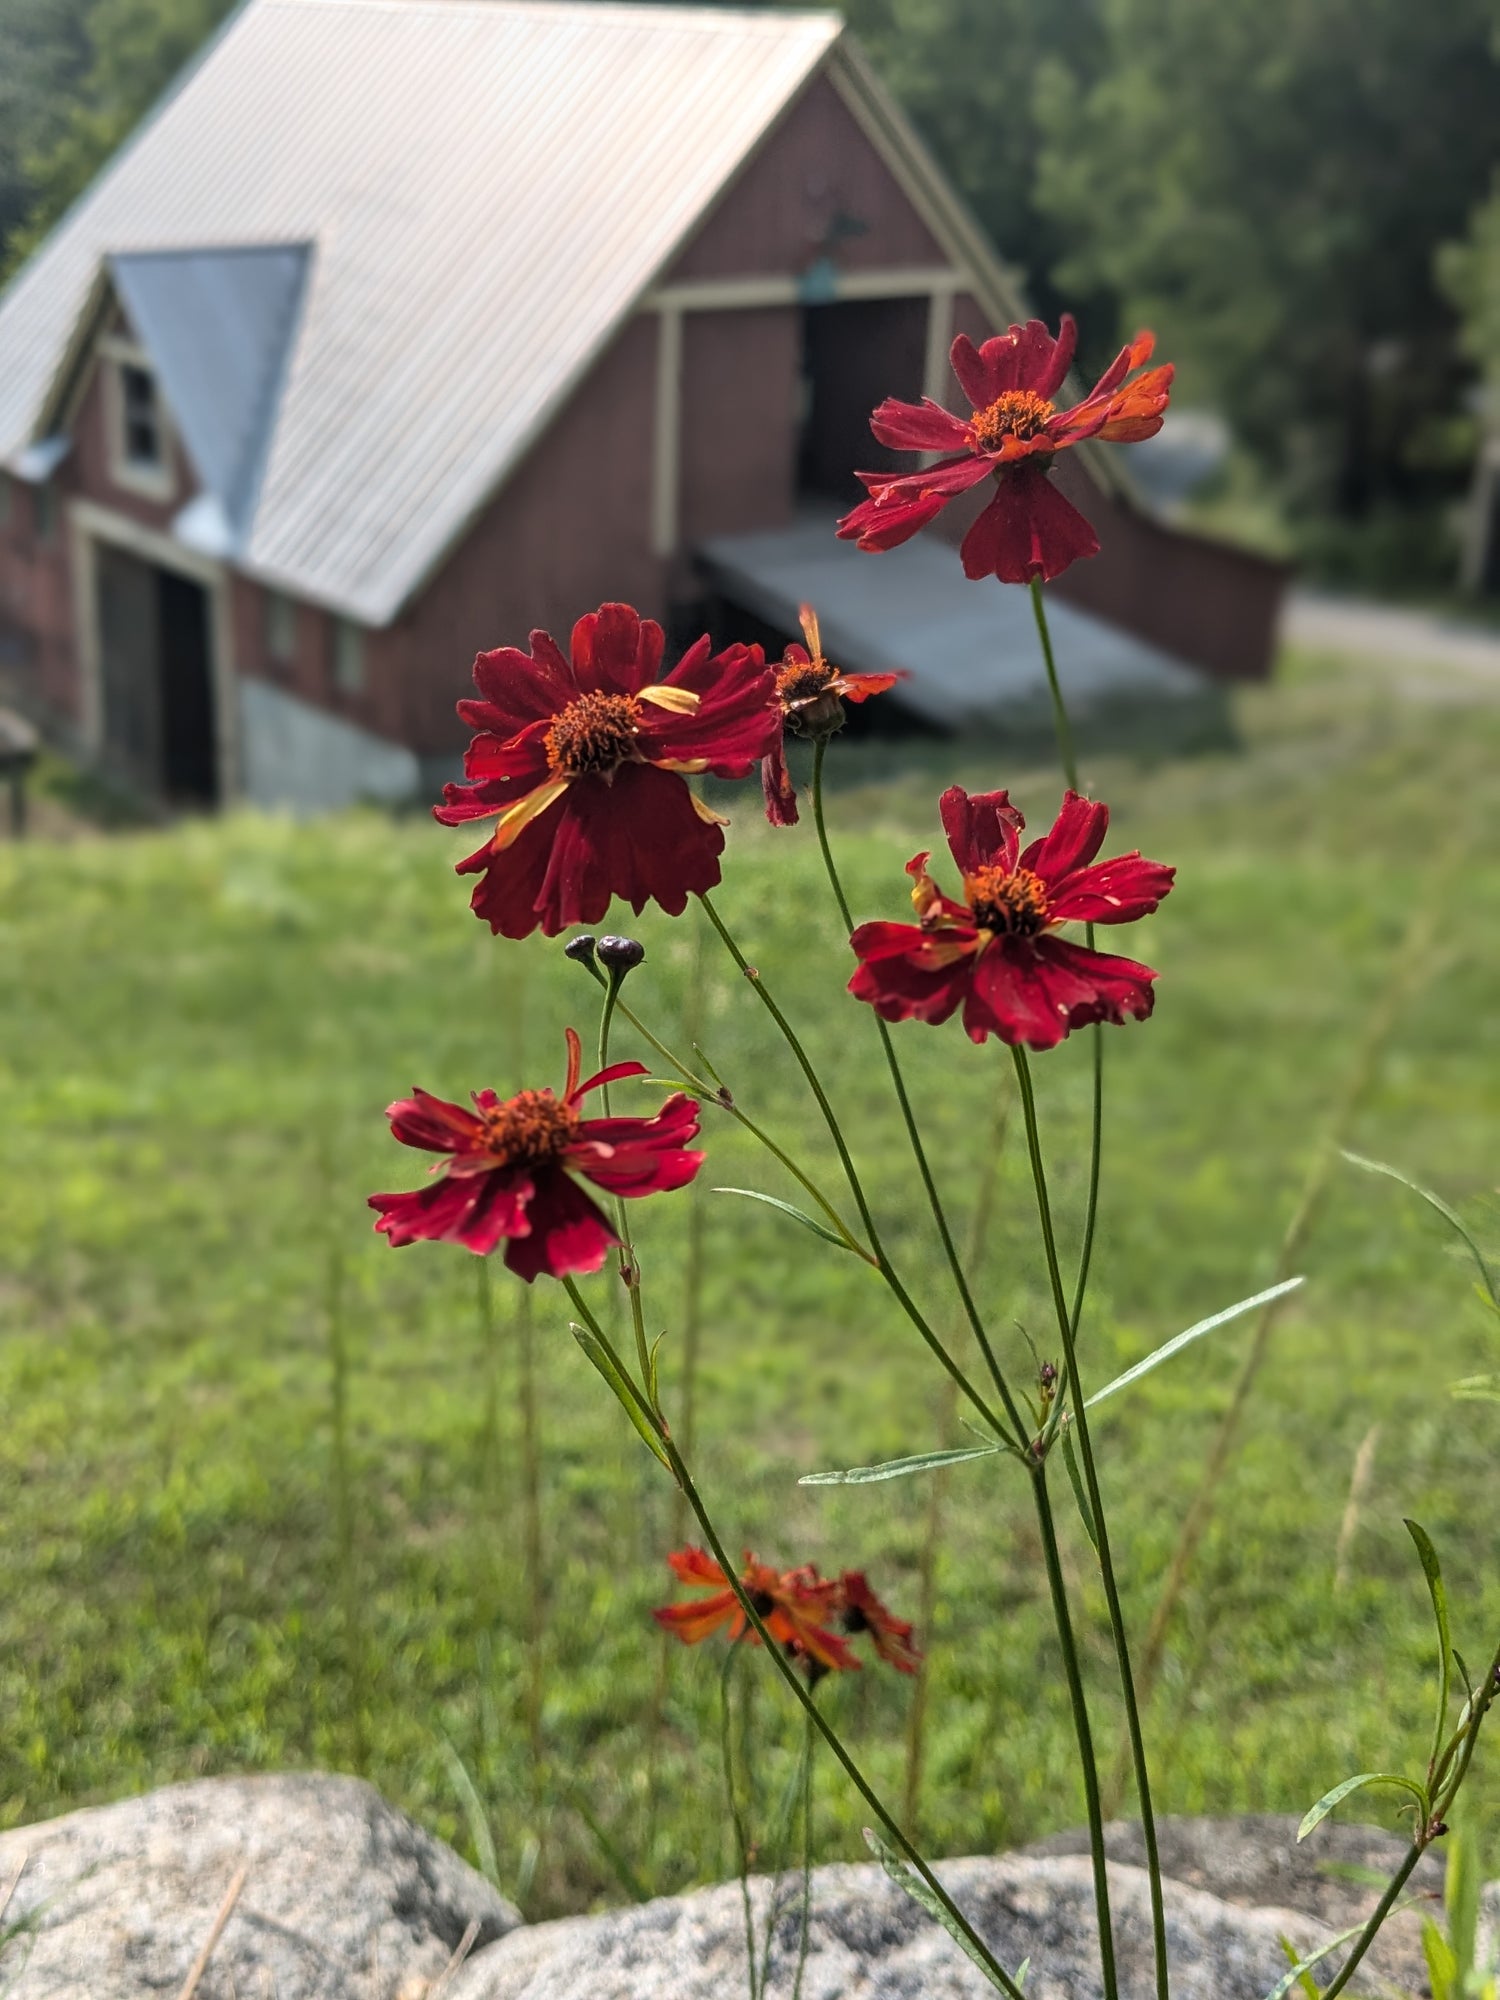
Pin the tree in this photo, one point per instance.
(134, 48)
(43, 53)
(1266, 182)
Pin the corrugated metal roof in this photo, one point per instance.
(488, 186)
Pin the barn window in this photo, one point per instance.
(348, 657)
(45, 504)
(140, 434)
(281, 627)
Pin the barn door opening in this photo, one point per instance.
(156, 667)
(855, 353)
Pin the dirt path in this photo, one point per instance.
(1452, 657)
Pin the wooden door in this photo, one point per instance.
(129, 651)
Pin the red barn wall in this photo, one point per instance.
(739, 420)
(814, 167)
(571, 529)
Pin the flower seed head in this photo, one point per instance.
(620, 954)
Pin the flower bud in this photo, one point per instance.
(580, 949)
(620, 954)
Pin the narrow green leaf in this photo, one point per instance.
(591, 1347)
(1294, 1978)
(653, 1385)
(1454, 1221)
(1305, 1979)
(898, 1468)
(787, 1208)
(1070, 1460)
(1021, 1971)
(474, 1813)
(906, 1877)
(1182, 1340)
(1478, 1389)
(1443, 1972)
(1316, 1815)
(1432, 1570)
(1462, 1886)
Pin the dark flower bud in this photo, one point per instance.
(1048, 1375)
(620, 954)
(580, 949)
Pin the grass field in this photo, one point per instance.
(263, 1488)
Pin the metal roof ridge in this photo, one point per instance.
(772, 19)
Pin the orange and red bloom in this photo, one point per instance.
(997, 954)
(1013, 433)
(810, 695)
(581, 760)
(798, 1606)
(509, 1167)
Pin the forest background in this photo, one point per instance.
(1301, 196)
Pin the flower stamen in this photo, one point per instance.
(533, 1129)
(595, 733)
(1008, 903)
(1019, 413)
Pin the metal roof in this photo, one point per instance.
(218, 325)
(488, 187)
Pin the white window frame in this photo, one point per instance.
(152, 482)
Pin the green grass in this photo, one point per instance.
(198, 1031)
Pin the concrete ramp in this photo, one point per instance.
(970, 649)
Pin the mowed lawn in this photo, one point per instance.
(199, 1030)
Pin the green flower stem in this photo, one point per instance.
(788, 1672)
(1019, 1425)
(630, 1271)
(1377, 1917)
(887, 1270)
(715, 1094)
(1073, 1382)
(1068, 754)
(737, 1817)
(1089, 1763)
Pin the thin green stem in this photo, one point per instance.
(1067, 753)
(785, 1667)
(716, 1094)
(1060, 720)
(737, 1817)
(629, 1270)
(1063, 1617)
(887, 1270)
(1074, 1385)
(1019, 1425)
(804, 1935)
(1377, 1917)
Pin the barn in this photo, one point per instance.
(403, 326)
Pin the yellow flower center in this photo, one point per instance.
(1019, 413)
(1009, 905)
(595, 733)
(530, 1130)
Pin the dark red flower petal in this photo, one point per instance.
(476, 1210)
(639, 1156)
(897, 975)
(509, 892)
(519, 688)
(924, 426)
(736, 721)
(1072, 841)
(1028, 530)
(615, 650)
(1023, 357)
(568, 1231)
(982, 828)
(432, 1124)
(1037, 990)
(1113, 892)
(779, 791)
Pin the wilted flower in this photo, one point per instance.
(862, 1611)
(510, 1166)
(793, 1603)
(581, 759)
(1012, 434)
(811, 692)
(997, 953)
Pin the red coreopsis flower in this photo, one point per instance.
(997, 953)
(810, 694)
(862, 1611)
(510, 1166)
(795, 1604)
(580, 761)
(1013, 434)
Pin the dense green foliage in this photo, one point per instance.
(198, 1030)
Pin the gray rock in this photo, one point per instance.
(344, 1898)
(1255, 1859)
(868, 1941)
